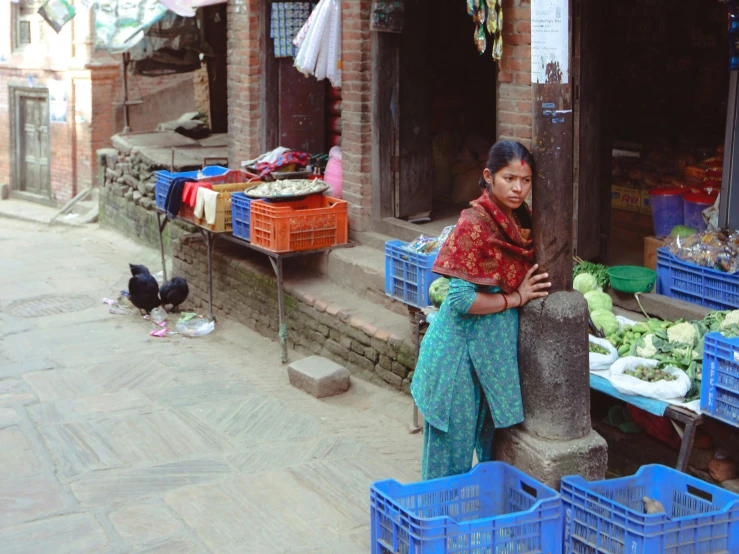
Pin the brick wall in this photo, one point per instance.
(244, 289)
(514, 76)
(244, 76)
(246, 129)
(356, 112)
(201, 88)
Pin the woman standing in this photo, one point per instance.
(466, 381)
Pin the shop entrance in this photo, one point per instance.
(652, 81)
(29, 110)
(433, 117)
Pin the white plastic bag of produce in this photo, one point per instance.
(661, 390)
(624, 321)
(600, 362)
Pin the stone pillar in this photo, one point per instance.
(556, 438)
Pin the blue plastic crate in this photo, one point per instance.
(695, 284)
(494, 508)
(165, 178)
(408, 275)
(720, 385)
(608, 517)
(241, 215)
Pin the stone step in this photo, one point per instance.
(370, 239)
(361, 269)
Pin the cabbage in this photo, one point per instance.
(438, 291)
(598, 300)
(605, 320)
(585, 283)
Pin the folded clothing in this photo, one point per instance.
(190, 194)
(174, 197)
(206, 204)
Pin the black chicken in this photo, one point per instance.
(174, 292)
(138, 269)
(143, 289)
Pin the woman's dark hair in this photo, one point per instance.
(503, 153)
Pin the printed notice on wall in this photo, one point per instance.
(550, 41)
(58, 103)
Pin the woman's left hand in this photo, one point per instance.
(532, 286)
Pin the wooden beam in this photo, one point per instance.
(553, 149)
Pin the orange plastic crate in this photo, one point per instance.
(314, 222)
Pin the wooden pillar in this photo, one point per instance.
(556, 437)
(552, 144)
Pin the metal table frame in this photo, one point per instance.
(275, 259)
(689, 419)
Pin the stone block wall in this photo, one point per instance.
(127, 199)
(246, 292)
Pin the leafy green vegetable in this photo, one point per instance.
(598, 300)
(605, 320)
(584, 283)
(600, 272)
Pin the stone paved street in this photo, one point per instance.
(113, 441)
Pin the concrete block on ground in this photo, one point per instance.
(4, 191)
(319, 377)
(550, 460)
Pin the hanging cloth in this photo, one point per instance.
(319, 43)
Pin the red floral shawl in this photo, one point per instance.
(487, 247)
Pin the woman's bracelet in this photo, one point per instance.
(505, 299)
(520, 299)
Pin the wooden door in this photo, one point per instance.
(215, 34)
(414, 186)
(33, 114)
(592, 171)
(302, 110)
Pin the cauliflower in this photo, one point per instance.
(648, 350)
(684, 333)
(732, 318)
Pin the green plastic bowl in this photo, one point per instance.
(632, 279)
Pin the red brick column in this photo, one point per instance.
(244, 80)
(514, 75)
(356, 111)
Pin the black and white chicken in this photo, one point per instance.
(143, 289)
(174, 293)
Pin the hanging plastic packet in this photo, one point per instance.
(57, 13)
(498, 47)
(492, 20)
(471, 7)
(481, 40)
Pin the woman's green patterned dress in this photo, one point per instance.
(466, 382)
